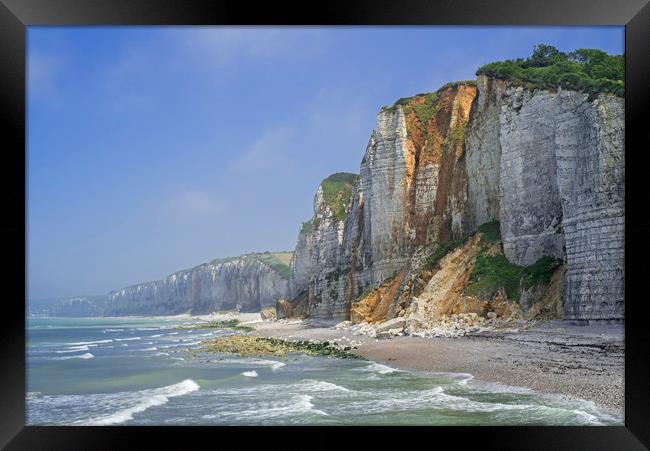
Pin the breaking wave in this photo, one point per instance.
(74, 349)
(85, 356)
(379, 368)
(81, 343)
(141, 401)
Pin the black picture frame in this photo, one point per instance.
(16, 15)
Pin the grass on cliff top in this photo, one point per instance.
(588, 70)
(337, 189)
(430, 106)
(425, 111)
(278, 261)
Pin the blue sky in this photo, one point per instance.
(152, 149)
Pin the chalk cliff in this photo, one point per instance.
(555, 181)
(545, 165)
(405, 197)
(246, 283)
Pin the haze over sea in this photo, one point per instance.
(138, 371)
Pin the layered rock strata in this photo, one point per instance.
(245, 283)
(555, 181)
(406, 197)
(548, 165)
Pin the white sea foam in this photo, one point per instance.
(74, 349)
(379, 368)
(85, 356)
(488, 387)
(296, 406)
(148, 328)
(113, 330)
(32, 394)
(143, 400)
(153, 348)
(313, 385)
(252, 373)
(303, 404)
(128, 339)
(156, 336)
(275, 365)
(81, 343)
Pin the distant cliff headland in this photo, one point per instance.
(499, 196)
(246, 283)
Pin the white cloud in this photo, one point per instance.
(220, 46)
(193, 205)
(270, 151)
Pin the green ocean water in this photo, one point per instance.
(138, 371)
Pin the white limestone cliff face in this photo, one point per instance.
(300, 266)
(402, 201)
(590, 158)
(244, 283)
(326, 256)
(551, 170)
(77, 306)
(549, 166)
(483, 154)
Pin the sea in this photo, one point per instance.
(142, 371)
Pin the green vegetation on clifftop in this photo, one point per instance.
(430, 106)
(588, 70)
(278, 261)
(337, 189)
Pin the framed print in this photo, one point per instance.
(377, 215)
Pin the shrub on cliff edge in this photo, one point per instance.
(588, 70)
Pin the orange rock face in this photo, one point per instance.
(373, 307)
(434, 148)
